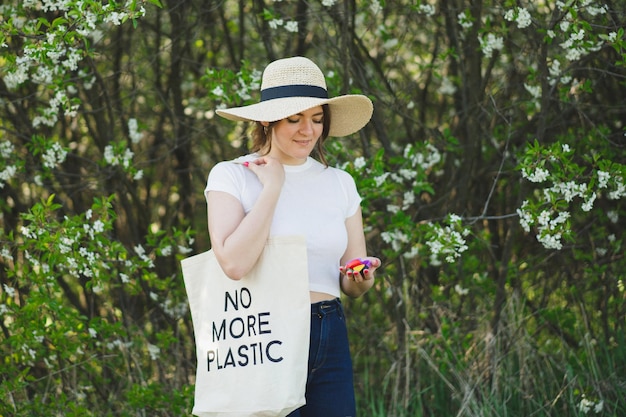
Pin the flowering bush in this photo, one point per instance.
(569, 183)
(492, 177)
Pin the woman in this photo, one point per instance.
(280, 190)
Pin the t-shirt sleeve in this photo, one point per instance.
(226, 177)
(353, 199)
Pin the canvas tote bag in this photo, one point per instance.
(252, 335)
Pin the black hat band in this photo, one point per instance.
(297, 90)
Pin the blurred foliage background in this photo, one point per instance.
(492, 176)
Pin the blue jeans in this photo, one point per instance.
(330, 386)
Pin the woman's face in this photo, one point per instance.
(294, 137)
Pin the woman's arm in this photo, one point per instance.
(354, 284)
(238, 239)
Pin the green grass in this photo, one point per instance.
(511, 374)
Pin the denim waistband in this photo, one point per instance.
(325, 307)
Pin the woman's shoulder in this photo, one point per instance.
(338, 172)
(232, 171)
(233, 164)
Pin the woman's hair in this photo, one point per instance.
(261, 136)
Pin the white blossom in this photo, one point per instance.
(115, 17)
(454, 218)
(127, 157)
(73, 57)
(133, 132)
(27, 232)
(65, 245)
(534, 90)
(409, 199)
(491, 43)
(620, 189)
(6, 254)
(218, 91)
(55, 5)
(522, 17)
(139, 250)
(425, 161)
(460, 290)
(376, 7)
(380, 180)
(15, 78)
(275, 23)
(98, 226)
(154, 351)
(10, 291)
(587, 405)
(291, 26)
(540, 175)
(599, 405)
(393, 208)
(560, 218)
(447, 87)
(391, 43)
(544, 218)
(174, 310)
(109, 155)
(6, 149)
(407, 174)
(555, 73)
(53, 156)
(183, 249)
(567, 190)
(550, 241)
(396, 238)
(412, 253)
(613, 216)
(603, 179)
(427, 9)
(464, 20)
(597, 10)
(574, 54)
(6, 174)
(588, 204)
(166, 251)
(243, 93)
(448, 243)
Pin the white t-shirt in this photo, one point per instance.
(315, 201)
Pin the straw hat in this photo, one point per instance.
(293, 85)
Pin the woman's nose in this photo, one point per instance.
(306, 126)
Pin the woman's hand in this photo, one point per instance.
(360, 269)
(270, 171)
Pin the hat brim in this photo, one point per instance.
(348, 113)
